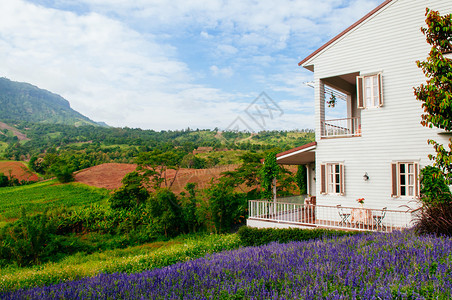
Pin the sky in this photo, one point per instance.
(174, 64)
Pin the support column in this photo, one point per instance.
(274, 196)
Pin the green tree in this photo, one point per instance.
(248, 173)
(189, 208)
(436, 94)
(166, 212)
(301, 179)
(26, 240)
(434, 189)
(227, 208)
(269, 172)
(132, 193)
(155, 164)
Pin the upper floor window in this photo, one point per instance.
(405, 179)
(370, 90)
(332, 178)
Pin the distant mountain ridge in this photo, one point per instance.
(20, 101)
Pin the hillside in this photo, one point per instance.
(109, 176)
(20, 101)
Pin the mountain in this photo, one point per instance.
(20, 101)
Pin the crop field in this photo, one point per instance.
(17, 170)
(399, 265)
(38, 197)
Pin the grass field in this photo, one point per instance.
(224, 157)
(129, 260)
(38, 197)
(3, 147)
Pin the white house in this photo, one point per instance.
(371, 145)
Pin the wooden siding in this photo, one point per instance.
(389, 42)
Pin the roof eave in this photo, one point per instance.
(305, 62)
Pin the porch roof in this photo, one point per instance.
(297, 156)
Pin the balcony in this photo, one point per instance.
(262, 212)
(347, 127)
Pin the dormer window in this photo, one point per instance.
(370, 90)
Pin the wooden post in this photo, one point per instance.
(308, 178)
(274, 196)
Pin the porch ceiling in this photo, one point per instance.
(297, 156)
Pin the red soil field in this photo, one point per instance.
(17, 170)
(20, 135)
(109, 176)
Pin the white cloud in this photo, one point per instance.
(225, 72)
(227, 49)
(149, 63)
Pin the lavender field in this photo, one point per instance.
(400, 265)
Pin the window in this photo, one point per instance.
(405, 181)
(370, 91)
(332, 178)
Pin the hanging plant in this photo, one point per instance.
(332, 101)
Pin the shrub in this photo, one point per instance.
(131, 194)
(166, 212)
(27, 240)
(227, 207)
(435, 216)
(434, 188)
(435, 219)
(63, 173)
(257, 237)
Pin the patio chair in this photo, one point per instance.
(343, 214)
(378, 218)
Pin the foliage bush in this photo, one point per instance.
(228, 209)
(27, 240)
(250, 236)
(434, 188)
(166, 212)
(435, 215)
(435, 219)
(12, 181)
(302, 180)
(131, 194)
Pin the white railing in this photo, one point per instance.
(341, 127)
(350, 218)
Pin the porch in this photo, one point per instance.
(282, 214)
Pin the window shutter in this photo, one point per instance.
(323, 179)
(416, 180)
(342, 176)
(380, 89)
(394, 180)
(360, 91)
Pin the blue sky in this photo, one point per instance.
(160, 64)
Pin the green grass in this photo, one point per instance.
(129, 260)
(38, 197)
(54, 135)
(3, 147)
(225, 157)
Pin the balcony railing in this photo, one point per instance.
(347, 127)
(348, 218)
